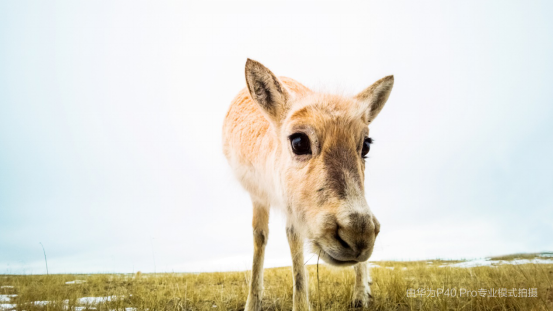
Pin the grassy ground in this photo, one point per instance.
(228, 291)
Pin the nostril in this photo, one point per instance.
(377, 226)
(342, 241)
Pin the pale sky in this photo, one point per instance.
(111, 115)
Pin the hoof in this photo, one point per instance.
(362, 299)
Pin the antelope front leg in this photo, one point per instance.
(260, 226)
(300, 300)
(362, 291)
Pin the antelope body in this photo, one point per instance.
(303, 152)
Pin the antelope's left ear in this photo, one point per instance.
(373, 98)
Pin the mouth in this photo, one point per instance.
(332, 260)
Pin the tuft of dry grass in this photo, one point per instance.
(228, 290)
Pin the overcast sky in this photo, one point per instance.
(111, 115)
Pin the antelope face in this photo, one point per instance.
(324, 140)
(327, 142)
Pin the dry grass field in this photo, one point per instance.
(502, 283)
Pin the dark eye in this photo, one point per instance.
(300, 144)
(365, 148)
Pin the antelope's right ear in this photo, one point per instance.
(266, 90)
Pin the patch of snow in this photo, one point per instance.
(472, 263)
(130, 309)
(489, 262)
(372, 265)
(404, 268)
(546, 255)
(7, 307)
(46, 302)
(6, 298)
(76, 282)
(6, 286)
(95, 300)
(390, 268)
(534, 261)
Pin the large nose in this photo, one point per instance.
(356, 234)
